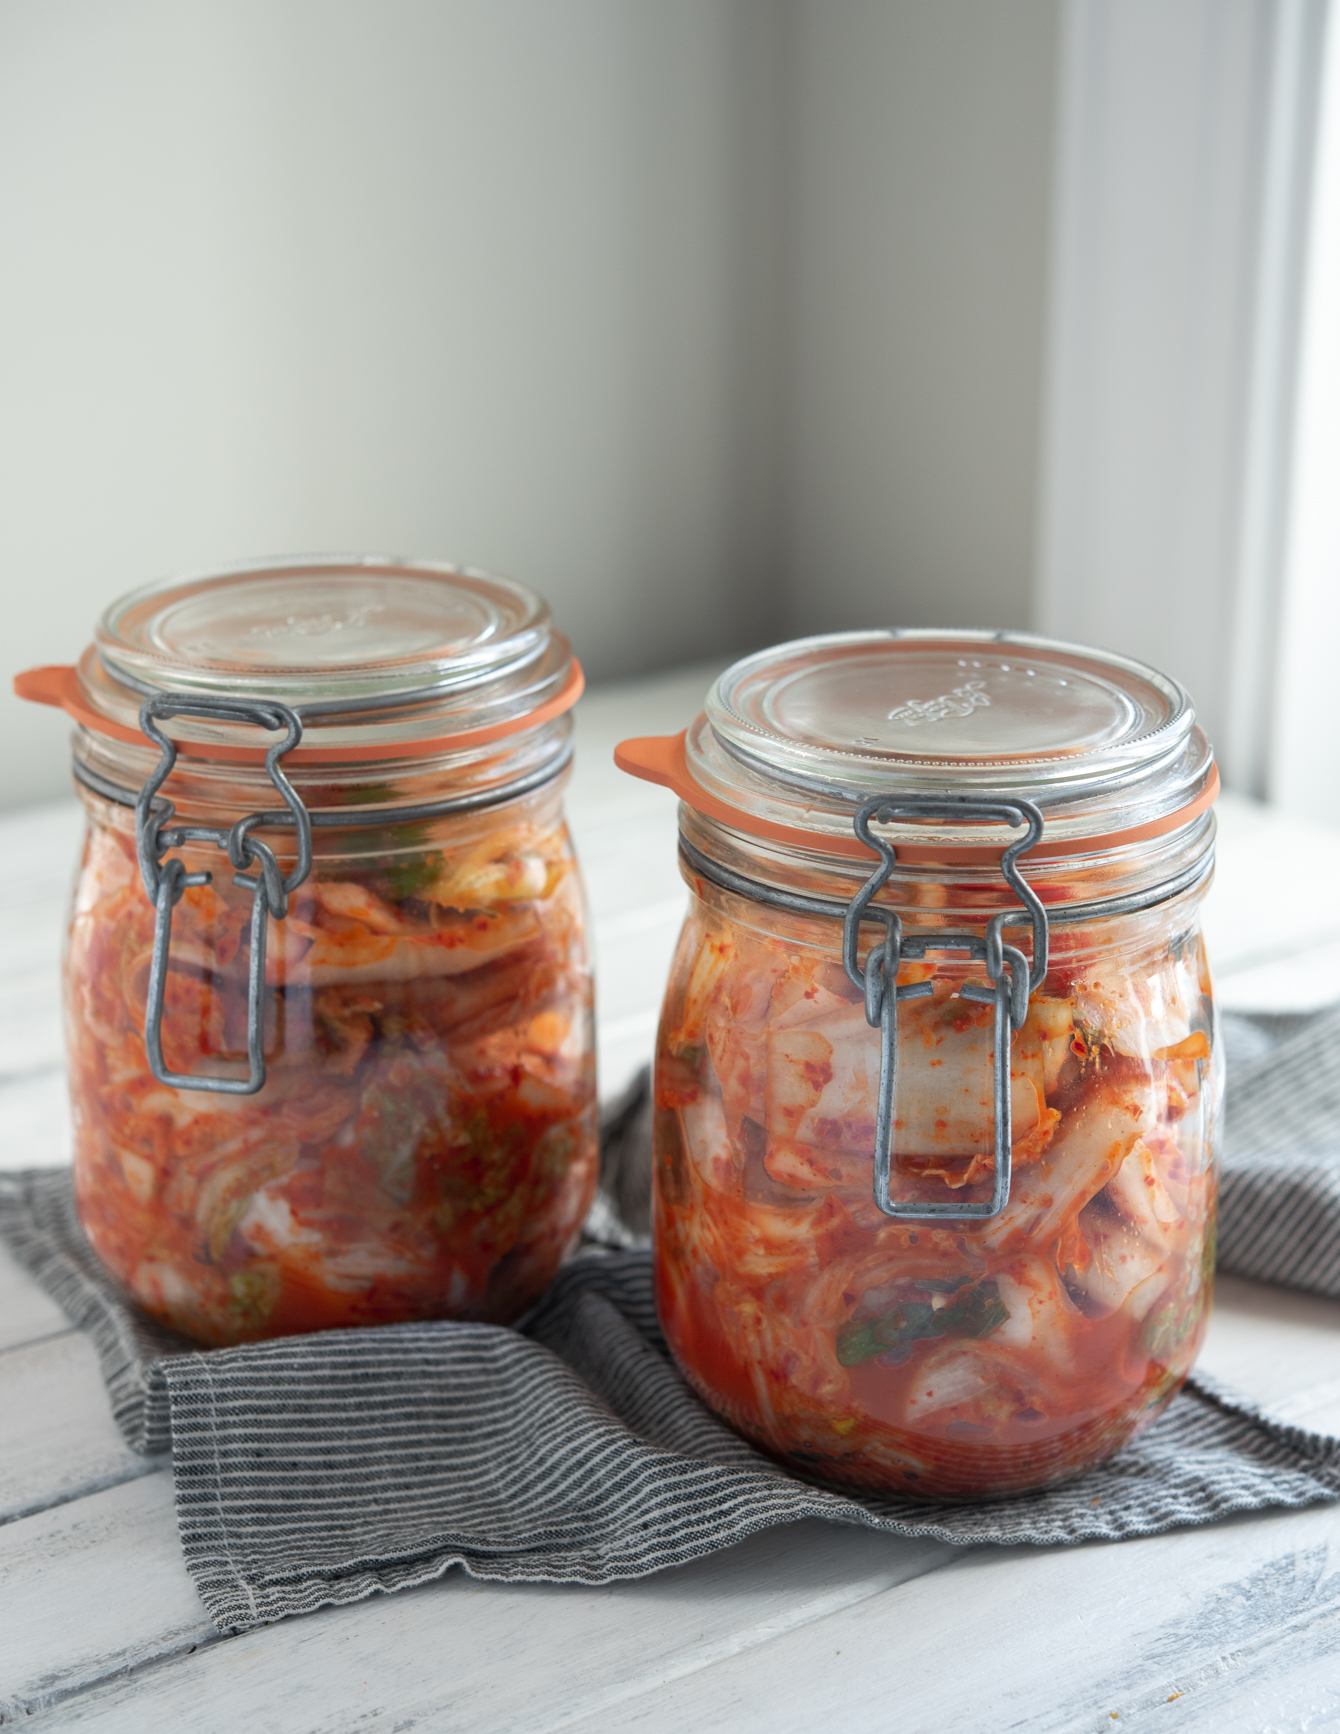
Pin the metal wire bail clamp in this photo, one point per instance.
(1012, 980)
(165, 881)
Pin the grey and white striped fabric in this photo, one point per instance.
(321, 1469)
(1279, 1205)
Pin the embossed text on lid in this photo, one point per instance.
(1081, 732)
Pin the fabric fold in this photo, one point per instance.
(322, 1469)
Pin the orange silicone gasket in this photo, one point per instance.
(662, 759)
(58, 685)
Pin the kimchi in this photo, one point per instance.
(949, 806)
(948, 1357)
(424, 1145)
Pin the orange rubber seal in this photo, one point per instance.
(58, 685)
(662, 759)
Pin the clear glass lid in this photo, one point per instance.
(385, 647)
(800, 733)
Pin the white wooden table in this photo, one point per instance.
(1235, 1627)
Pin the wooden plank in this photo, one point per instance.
(629, 857)
(638, 901)
(32, 1039)
(91, 1590)
(628, 998)
(1268, 867)
(623, 1048)
(1308, 980)
(1284, 1691)
(31, 935)
(1047, 1641)
(59, 1439)
(1280, 1348)
(35, 1121)
(38, 853)
(461, 1654)
(26, 1314)
(659, 704)
(1275, 952)
(39, 848)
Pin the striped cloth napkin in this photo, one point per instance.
(315, 1470)
(1279, 1201)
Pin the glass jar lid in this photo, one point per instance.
(378, 656)
(795, 737)
(326, 633)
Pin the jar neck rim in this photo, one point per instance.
(1189, 878)
(67, 688)
(529, 782)
(664, 760)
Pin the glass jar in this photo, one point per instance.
(955, 1240)
(328, 1001)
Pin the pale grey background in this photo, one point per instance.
(713, 320)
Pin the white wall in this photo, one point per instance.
(1183, 156)
(919, 232)
(484, 279)
(716, 320)
(1304, 765)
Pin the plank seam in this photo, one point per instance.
(738, 1644)
(35, 1342)
(128, 1472)
(120, 1672)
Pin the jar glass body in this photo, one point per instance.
(424, 1145)
(951, 1358)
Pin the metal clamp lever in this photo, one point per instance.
(1012, 981)
(165, 881)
